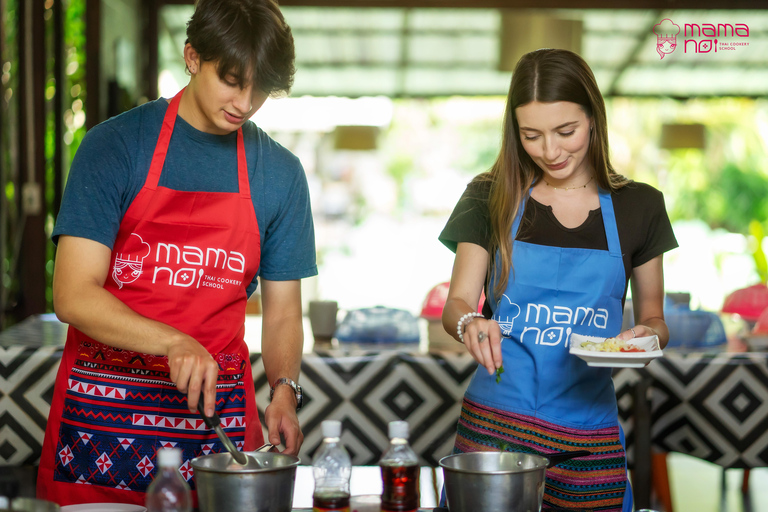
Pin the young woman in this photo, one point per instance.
(553, 233)
(172, 210)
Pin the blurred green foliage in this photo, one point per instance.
(72, 93)
(74, 50)
(730, 197)
(725, 184)
(758, 233)
(9, 60)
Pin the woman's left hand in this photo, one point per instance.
(637, 331)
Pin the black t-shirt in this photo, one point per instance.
(641, 219)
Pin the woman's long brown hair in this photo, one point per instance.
(546, 76)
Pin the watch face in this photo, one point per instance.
(299, 397)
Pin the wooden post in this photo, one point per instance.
(31, 180)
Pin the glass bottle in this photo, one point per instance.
(168, 492)
(331, 468)
(399, 472)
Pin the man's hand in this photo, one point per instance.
(282, 421)
(194, 370)
(80, 299)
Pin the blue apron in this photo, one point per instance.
(552, 293)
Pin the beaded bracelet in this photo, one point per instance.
(466, 318)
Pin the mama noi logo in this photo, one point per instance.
(699, 38)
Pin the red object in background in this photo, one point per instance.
(748, 302)
(432, 309)
(761, 327)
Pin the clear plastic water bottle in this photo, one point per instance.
(399, 472)
(168, 492)
(331, 468)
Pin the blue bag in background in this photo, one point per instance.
(378, 325)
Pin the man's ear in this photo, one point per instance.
(191, 58)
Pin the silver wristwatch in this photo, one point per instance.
(296, 390)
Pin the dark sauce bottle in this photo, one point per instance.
(399, 472)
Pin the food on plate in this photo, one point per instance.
(611, 345)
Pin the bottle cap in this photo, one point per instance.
(398, 429)
(331, 428)
(169, 457)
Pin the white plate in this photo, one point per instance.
(103, 507)
(617, 359)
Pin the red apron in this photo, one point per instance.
(185, 259)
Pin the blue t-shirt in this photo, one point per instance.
(112, 164)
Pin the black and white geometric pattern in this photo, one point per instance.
(27, 376)
(710, 406)
(366, 390)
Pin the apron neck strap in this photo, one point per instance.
(164, 140)
(519, 215)
(609, 222)
(242, 166)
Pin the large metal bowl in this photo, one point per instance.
(265, 484)
(508, 481)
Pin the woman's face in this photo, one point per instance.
(221, 106)
(556, 136)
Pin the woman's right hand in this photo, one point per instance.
(467, 281)
(193, 370)
(483, 340)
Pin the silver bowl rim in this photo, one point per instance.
(510, 471)
(293, 464)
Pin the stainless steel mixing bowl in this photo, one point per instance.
(265, 484)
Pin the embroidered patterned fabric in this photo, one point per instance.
(598, 481)
(133, 409)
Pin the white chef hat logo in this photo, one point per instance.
(506, 324)
(130, 260)
(666, 36)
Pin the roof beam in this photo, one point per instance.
(524, 4)
(394, 64)
(533, 4)
(631, 57)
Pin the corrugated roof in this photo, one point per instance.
(400, 52)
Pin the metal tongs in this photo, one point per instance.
(214, 422)
(269, 447)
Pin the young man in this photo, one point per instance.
(172, 210)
